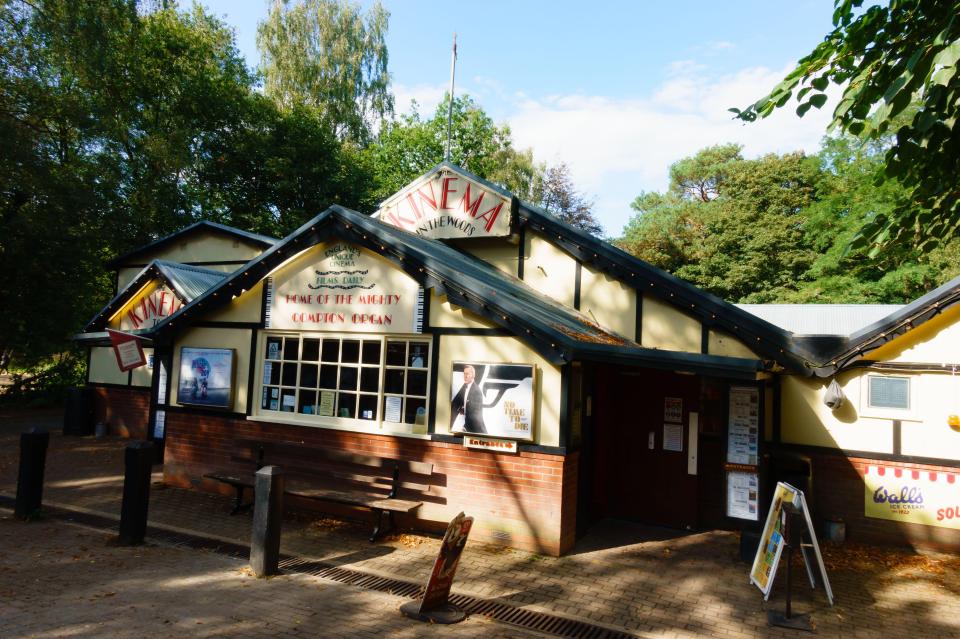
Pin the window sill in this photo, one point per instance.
(370, 430)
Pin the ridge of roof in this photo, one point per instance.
(256, 238)
(557, 332)
(172, 274)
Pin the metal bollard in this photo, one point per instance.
(138, 463)
(267, 519)
(33, 459)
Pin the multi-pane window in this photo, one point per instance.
(349, 377)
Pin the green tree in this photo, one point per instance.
(411, 145)
(562, 199)
(329, 55)
(886, 58)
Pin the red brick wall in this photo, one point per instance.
(125, 410)
(838, 488)
(526, 500)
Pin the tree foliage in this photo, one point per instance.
(411, 145)
(776, 229)
(887, 58)
(122, 126)
(328, 55)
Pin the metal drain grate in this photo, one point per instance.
(502, 612)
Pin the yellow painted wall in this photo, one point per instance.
(446, 315)
(498, 252)
(666, 327)
(143, 376)
(936, 341)
(245, 308)
(608, 302)
(549, 270)
(805, 419)
(938, 396)
(238, 339)
(199, 247)
(507, 350)
(721, 343)
(103, 367)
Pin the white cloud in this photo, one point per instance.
(427, 96)
(617, 148)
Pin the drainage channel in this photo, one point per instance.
(502, 612)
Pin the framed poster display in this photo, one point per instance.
(206, 377)
(494, 399)
(743, 428)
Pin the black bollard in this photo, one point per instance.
(138, 463)
(33, 459)
(267, 519)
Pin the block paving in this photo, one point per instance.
(56, 579)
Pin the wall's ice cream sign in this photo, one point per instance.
(915, 496)
(448, 205)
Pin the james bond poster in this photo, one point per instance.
(492, 399)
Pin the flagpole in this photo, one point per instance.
(453, 68)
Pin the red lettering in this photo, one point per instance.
(134, 318)
(491, 216)
(163, 294)
(143, 308)
(446, 190)
(152, 307)
(400, 222)
(468, 208)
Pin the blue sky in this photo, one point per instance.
(618, 90)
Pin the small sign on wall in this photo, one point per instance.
(498, 445)
(912, 496)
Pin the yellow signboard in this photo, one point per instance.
(771, 542)
(913, 496)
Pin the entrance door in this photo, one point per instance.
(642, 418)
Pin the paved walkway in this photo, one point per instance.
(647, 581)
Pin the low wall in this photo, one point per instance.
(839, 491)
(126, 411)
(527, 500)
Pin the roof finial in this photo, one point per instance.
(453, 68)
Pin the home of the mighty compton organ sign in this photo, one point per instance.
(343, 287)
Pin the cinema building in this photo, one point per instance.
(551, 379)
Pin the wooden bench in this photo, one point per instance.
(332, 475)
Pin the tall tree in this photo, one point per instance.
(412, 145)
(330, 55)
(885, 58)
(562, 199)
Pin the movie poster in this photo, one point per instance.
(492, 399)
(206, 377)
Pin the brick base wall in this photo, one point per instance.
(526, 501)
(126, 411)
(838, 488)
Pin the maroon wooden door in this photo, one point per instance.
(636, 478)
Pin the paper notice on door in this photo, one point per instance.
(673, 437)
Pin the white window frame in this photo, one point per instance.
(883, 412)
(377, 425)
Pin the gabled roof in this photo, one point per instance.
(906, 318)
(558, 333)
(263, 241)
(187, 282)
(821, 319)
(762, 337)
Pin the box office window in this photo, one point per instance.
(888, 392)
(349, 377)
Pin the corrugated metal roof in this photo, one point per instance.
(190, 281)
(821, 319)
